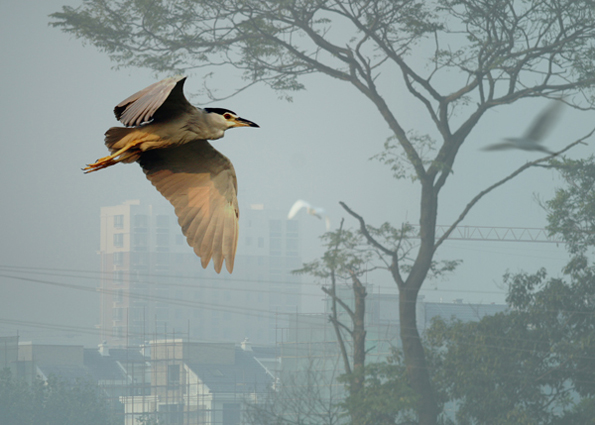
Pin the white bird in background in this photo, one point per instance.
(315, 211)
(531, 140)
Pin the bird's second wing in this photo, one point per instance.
(544, 121)
(499, 146)
(160, 101)
(299, 204)
(201, 184)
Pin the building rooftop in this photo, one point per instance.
(246, 375)
(461, 311)
(106, 368)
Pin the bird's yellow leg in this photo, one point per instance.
(109, 160)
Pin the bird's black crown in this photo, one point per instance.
(219, 111)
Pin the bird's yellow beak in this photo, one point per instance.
(241, 122)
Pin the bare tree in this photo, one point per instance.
(504, 51)
(305, 398)
(335, 263)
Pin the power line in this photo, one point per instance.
(220, 281)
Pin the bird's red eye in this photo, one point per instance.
(227, 116)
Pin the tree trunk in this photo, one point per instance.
(415, 358)
(413, 350)
(359, 334)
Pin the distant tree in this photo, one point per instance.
(376, 393)
(340, 262)
(571, 212)
(15, 400)
(307, 397)
(385, 397)
(478, 54)
(530, 365)
(55, 402)
(535, 363)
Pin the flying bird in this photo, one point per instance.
(315, 211)
(531, 140)
(168, 136)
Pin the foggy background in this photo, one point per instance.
(57, 98)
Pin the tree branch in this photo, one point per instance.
(365, 232)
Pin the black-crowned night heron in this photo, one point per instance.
(315, 211)
(531, 140)
(168, 137)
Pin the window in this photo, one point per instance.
(171, 414)
(118, 240)
(275, 247)
(118, 258)
(119, 277)
(173, 375)
(291, 247)
(119, 221)
(162, 258)
(248, 240)
(119, 296)
(275, 228)
(162, 239)
(261, 242)
(141, 220)
(292, 228)
(162, 220)
(139, 259)
(140, 240)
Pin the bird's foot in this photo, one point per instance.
(100, 164)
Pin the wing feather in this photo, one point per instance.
(230, 237)
(158, 102)
(198, 222)
(205, 249)
(216, 247)
(544, 121)
(201, 184)
(298, 205)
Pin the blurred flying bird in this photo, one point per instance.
(531, 140)
(168, 137)
(315, 211)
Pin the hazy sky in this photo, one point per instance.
(56, 102)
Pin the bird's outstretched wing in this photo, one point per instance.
(158, 102)
(201, 184)
(298, 205)
(544, 121)
(499, 146)
(531, 140)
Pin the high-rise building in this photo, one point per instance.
(153, 284)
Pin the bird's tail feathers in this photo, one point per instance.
(129, 140)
